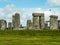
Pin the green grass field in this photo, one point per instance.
(30, 37)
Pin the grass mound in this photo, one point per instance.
(31, 32)
(29, 37)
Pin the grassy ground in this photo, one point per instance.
(30, 37)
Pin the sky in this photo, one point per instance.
(26, 7)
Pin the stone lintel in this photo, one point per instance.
(53, 16)
(38, 14)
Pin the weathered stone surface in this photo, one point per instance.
(38, 14)
(38, 20)
(46, 26)
(13, 21)
(53, 22)
(16, 21)
(3, 24)
(35, 23)
(9, 25)
(59, 24)
(29, 24)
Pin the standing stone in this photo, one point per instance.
(59, 24)
(38, 20)
(53, 22)
(29, 24)
(16, 21)
(35, 22)
(9, 25)
(46, 25)
(13, 21)
(3, 24)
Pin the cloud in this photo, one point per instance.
(54, 2)
(54, 11)
(47, 14)
(6, 12)
(25, 13)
